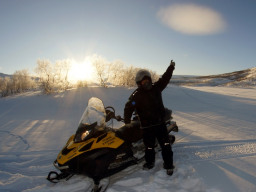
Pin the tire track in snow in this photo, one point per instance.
(18, 137)
(216, 150)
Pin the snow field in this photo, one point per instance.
(215, 149)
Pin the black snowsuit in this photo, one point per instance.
(150, 109)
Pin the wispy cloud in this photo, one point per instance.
(192, 19)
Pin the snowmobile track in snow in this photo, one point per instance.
(215, 150)
(17, 139)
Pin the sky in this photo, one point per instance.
(203, 37)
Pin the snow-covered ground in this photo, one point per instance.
(215, 149)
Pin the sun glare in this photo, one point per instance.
(81, 71)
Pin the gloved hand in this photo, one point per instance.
(119, 118)
(172, 63)
(128, 125)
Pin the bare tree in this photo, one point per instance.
(44, 71)
(116, 72)
(61, 70)
(102, 69)
(154, 76)
(53, 78)
(129, 74)
(81, 83)
(5, 84)
(21, 81)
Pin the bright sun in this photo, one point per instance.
(83, 71)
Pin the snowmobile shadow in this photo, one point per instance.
(214, 150)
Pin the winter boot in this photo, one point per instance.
(169, 172)
(169, 169)
(148, 166)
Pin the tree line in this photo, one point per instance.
(53, 77)
(19, 82)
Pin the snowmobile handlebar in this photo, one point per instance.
(110, 114)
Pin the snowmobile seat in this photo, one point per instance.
(130, 134)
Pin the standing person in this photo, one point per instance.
(147, 101)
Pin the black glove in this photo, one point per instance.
(172, 63)
(119, 118)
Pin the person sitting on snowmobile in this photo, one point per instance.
(147, 101)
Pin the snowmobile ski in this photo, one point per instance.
(55, 177)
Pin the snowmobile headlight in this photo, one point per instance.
(85, 134)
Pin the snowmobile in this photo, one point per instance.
(98, 150)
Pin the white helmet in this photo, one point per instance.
(141, 74)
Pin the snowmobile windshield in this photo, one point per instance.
(92, 120)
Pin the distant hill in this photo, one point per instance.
(4, 75)
(243, 78)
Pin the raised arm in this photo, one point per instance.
(166, 77)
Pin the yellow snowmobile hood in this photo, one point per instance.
(72, 149)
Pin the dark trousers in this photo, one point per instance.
(160, 133)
